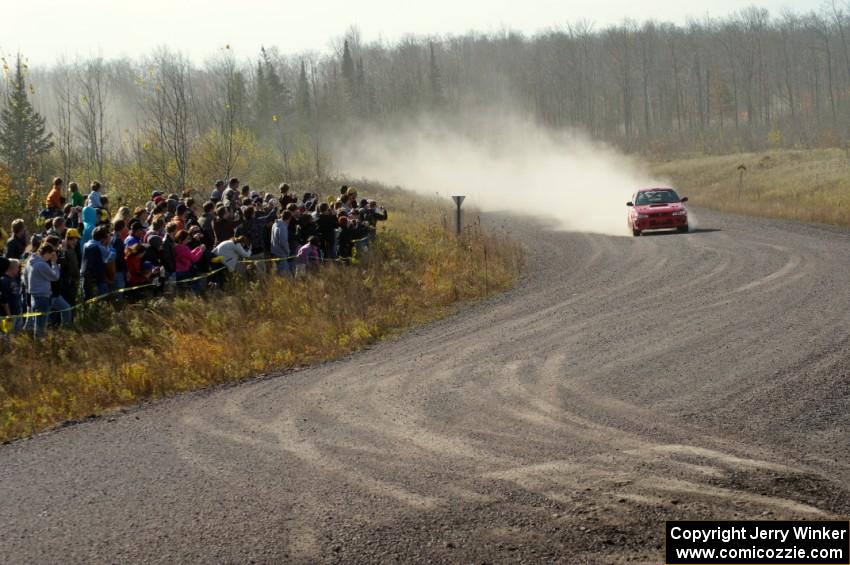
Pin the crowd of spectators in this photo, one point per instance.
(85, 252)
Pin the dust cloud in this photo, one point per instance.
(502, 163)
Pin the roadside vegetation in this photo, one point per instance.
(231, 121)
(118, 356)
(806, 185)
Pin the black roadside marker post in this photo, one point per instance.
(741, 170)
(458, 201)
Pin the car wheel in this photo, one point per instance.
(683, 229)
(635, 232)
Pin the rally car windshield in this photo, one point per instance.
(657, 197)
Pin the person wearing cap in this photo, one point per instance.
(136, 234)
(69, 279)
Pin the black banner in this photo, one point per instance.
(759, 542)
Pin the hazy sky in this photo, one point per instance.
(45, 29)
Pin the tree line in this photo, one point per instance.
(749, 81)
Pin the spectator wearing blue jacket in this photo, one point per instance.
(89, 223)
(96, 254)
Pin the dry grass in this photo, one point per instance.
(415, 273)
(809, 186)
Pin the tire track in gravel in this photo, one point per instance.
(624, 381)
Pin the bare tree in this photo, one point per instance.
(66, 95)
(168, 106)
(90, 112)
(226, 105)
(661, 87)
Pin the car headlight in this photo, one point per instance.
(642, 216)
(680, 213)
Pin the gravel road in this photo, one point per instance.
(623, 382)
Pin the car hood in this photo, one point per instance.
(665, 208)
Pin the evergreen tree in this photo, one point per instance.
(277, 91)
(363, 101)
(262, 106)
(348, 72)
(23, 134)
(436, 79)
(272, 102)
(305, 107)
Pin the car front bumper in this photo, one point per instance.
(660, 223)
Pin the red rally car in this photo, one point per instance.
(657, 209)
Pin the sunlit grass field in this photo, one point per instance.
(808, 186)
